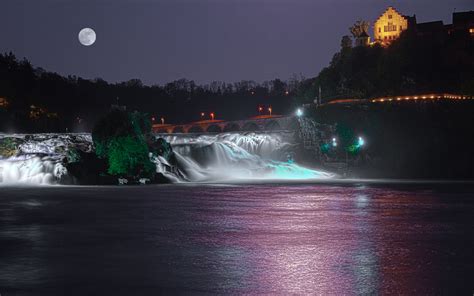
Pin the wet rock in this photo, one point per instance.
(9, 147)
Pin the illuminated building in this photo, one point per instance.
(3, 103)
(390, 25)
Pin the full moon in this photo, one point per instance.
(87, 36)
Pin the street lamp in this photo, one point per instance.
(162, 120)
(299, 112)
(212, 116)
(360, 141)
(270, 110)
(260, 109)
(334, 142)
(202, 115)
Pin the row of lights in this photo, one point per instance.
(211, 115)
(299, 113)
(269, 109)
(451, 97)
(360, 142)
(162, 119)
(286, 92)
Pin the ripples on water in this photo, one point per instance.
(245, 239)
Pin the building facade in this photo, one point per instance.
(390, 25)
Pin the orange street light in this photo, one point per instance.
(260, 109)
(162, 120)
(212, 115)
(270, 110)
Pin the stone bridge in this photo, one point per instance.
(258, 123)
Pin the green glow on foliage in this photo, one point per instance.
(325, 148)
(129, 156)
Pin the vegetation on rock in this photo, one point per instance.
(9, 146)
(121, 139)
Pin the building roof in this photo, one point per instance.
(430, 27)
(390, 7)
(411, 20)
(463, 18)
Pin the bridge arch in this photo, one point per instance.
(195, 129)
(231, 127)
(161, 131)
(272, 125)
(214, 128)
(250, 127)
(178, 130)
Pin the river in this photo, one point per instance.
(281, 238)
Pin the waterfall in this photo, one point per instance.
(37, 159)
(224, 157)
(237, 156)
(29, 169)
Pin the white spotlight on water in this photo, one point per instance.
(299, 112)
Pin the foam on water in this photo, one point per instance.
(229, 156)
(199, 158)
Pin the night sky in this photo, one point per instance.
(159, 41)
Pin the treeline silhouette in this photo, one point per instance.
(412, 64)
(34, 100)
(40, 101)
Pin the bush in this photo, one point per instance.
(128, 156)
(121, 138)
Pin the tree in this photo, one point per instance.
(359, 28)
(122, 139)
(128, 156)
(346, 42)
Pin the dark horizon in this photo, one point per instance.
(161, 41)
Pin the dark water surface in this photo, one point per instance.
(237, 239)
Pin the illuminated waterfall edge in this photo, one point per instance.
(199, 158)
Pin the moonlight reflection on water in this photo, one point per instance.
(246, 239)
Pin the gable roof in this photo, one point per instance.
(386, 10)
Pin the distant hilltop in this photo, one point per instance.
(390, 24)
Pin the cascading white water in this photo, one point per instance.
(230, 156)
(30, 170)
(39, 158)
(199, 158)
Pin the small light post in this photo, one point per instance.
(260, 109)
(162, 120)
(299, 112)
(202, 115)
(212, 116)
(270, 110)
